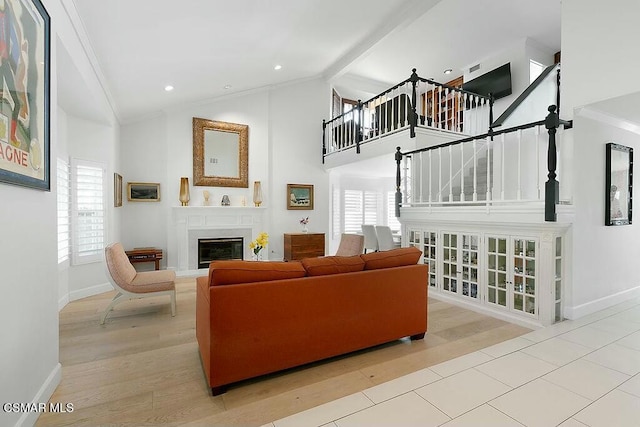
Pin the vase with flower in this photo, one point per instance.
(303, 223)
(258, 245)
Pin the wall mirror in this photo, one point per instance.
(619, 184)
(220, 154)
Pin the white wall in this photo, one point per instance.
(284, 148)
(599, 45)
(598, 65)
(518, 55)
(29, 274)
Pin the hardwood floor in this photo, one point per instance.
(143, 367)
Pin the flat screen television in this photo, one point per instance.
(497, 81)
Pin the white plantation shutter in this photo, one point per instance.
(370, 208)
(353, 204)
(88, 211)
(64, 207)
(336, 223)
(392, 221)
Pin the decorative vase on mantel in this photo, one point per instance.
(184, 191)
(304, 228)
(257, 193)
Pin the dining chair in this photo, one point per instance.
(370, 238)
(350, 244)
(385, 238)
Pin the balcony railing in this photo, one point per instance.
(414, 102)
(503, 166)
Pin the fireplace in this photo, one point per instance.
(224, 248)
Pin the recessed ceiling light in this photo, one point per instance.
(277, 67)
(448, 71)
(226, 87)
(168, 88)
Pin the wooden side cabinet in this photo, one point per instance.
(303, 245)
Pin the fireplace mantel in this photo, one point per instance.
(193, 222)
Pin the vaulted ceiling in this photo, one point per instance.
(209, 48)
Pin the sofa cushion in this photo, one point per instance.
(321, 266)
(230, 272)
(393, 258)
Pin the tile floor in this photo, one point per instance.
(573, 374)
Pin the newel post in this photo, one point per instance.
(324, 144)
(552, 187)
(413, 120)
(398, 182)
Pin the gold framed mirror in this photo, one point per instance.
(220, 154)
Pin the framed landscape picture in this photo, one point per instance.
(143, 192)
(300, 196)
(24, 94)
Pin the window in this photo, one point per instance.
(535, 69)
(392, 221)
(88, 211)
(353, 214)
(64, 205)
(360, 207)
(336, 225)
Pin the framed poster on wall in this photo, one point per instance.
(24, 94)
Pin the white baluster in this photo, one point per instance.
(440, 175)
(538, 159)
(475, 172)
(405, 190)
(450, 174)
(433, 106)
(421, 176)
(462, 163)
(446, 115)
(519, 193)
(488, 196)
(430, 179)
(502, 166)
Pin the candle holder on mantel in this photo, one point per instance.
(257, 193)
(184, 191)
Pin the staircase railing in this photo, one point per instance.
(457, 179)
(413, 103)
(506, 179)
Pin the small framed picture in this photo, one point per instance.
(117, 190)
(143, 192)
(300, 196)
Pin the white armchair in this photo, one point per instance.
(130, 284)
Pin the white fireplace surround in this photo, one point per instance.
(197, 222)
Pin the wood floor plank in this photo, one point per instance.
(143, 367)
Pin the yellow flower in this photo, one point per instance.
(252, 245)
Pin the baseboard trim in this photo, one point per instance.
(91, 291)
(62, 302)
(600, 303)
(42, 396)
(482, 309)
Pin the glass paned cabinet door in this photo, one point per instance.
(524, 275)
(470, 265)
(450, 262)
(497, 271)
(429, 255)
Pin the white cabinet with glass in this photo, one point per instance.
(460, 264)
(511, 275)
(426, 241)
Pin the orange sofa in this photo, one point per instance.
(254, 318)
